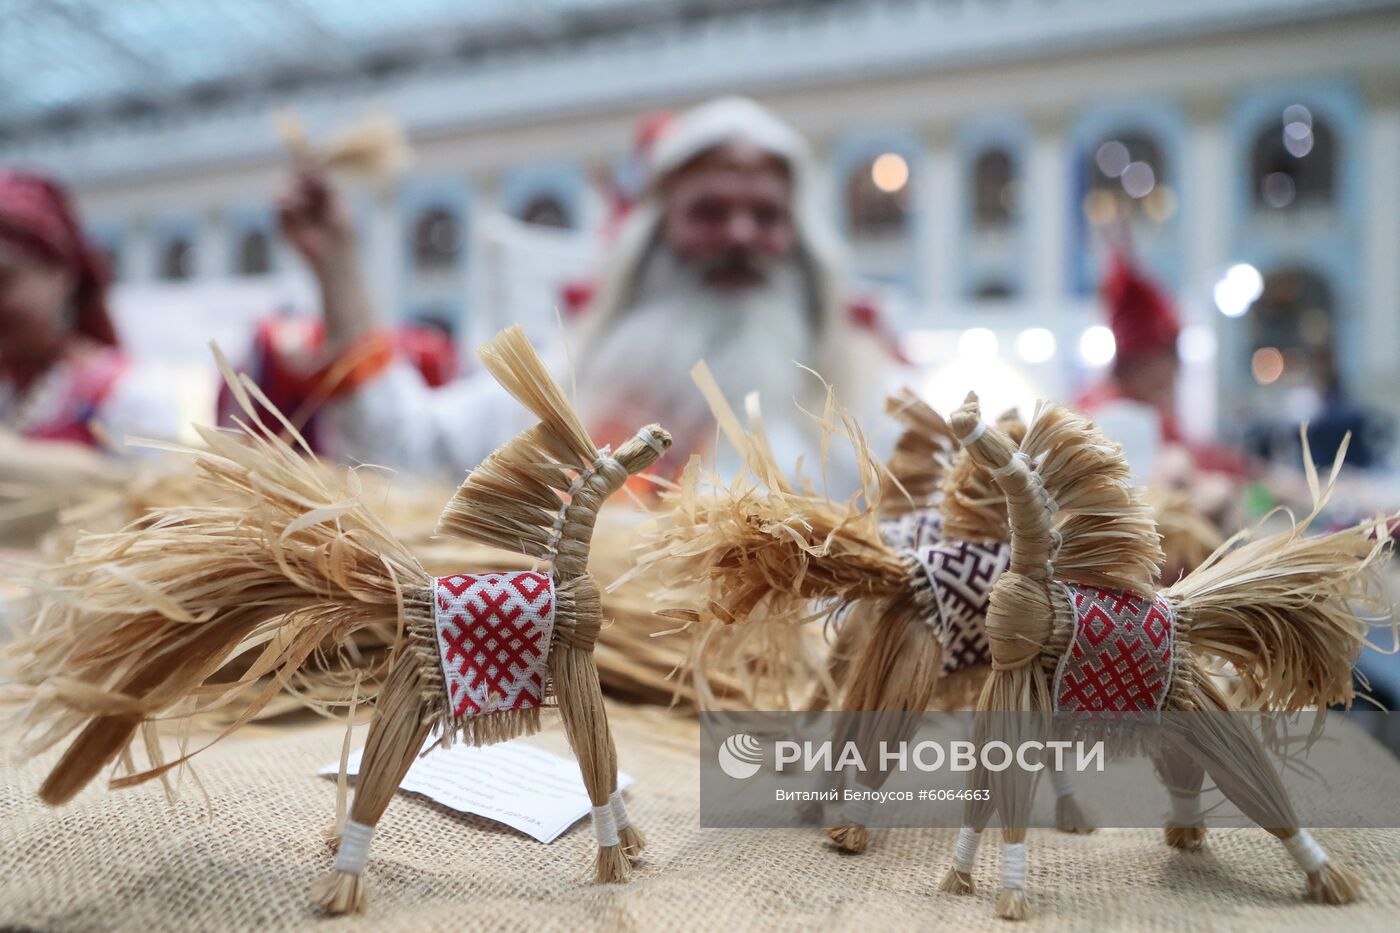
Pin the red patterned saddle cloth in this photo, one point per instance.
(1120, 658)
(493, 632)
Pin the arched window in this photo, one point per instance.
(440, 318)
(1292, 330)
(253, 253)
(994, 290)
(994, 190)
(546, 210)
(1127, 179)
(878, 197)
(177, 259)
(1293, 164)
(437, 240)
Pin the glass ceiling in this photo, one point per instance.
(63, 56)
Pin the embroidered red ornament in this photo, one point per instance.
(493, 632)
(1120, 659)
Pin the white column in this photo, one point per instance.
(1206, 178)
(1047, 226)
(938, 202)
(212, 246)
(383, 254)
(1379, 384)
(486, 312)
(139, 251)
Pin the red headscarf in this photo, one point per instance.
(36, 216)
(1140, 315)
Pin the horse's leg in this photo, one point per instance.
(1069, 815)
(396, 733)
(1182, 776)
(1236, 761)
(1011, 899)
(1013, 791)
(977, 813)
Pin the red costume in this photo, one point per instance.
(1145, 325)
(91, 380)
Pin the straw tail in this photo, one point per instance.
(278, 562)
(921, 458)
(761, 547)
(104, 737)
(1283, 608)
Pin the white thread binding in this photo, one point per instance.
(857, 810)
(354, 847)
(1186, 809)
(619, 810)
(1306, 852)
(605, 826)
(1062, 782)
(581, 480)
(965, 852)
(972, 436)
(1013, 866)
(652, 441)
(925, 584)
(1018, 458)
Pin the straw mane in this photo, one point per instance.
(922, 455)
(1107, 534)
(512, 500)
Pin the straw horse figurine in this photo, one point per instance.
(285, 561)
(906, 595)
(1084, 550)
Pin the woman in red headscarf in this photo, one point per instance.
(1136, 404)
(61, 370)
(1145, 363)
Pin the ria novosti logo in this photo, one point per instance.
(740, 756)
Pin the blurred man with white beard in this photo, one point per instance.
(723, 259)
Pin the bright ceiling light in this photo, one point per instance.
(890, 172)
(1138, 179)
(1238, 288)
(977, 343)
(1097, 346)
(1196, 343)
(1035, 345)
(1267, 365)
(1112, 158)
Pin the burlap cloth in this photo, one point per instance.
(132, 861)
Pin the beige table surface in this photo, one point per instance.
(132, 861)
